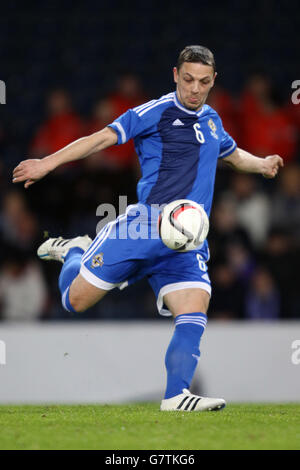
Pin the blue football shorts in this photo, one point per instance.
(129, 249)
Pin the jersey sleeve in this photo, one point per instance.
(228, 144)
(130, 125)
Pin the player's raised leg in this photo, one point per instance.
(188, 307)
(83, 295)
(77, 294)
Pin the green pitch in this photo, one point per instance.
(143, 426)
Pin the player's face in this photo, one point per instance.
(194, 82)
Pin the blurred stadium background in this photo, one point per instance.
(70, 68)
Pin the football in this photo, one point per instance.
(183, 225)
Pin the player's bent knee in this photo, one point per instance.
(76, 304)
(83, 295)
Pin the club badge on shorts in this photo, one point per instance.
(97, 261)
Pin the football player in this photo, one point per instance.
(179, 140)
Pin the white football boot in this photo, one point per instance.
(57, 248)
(186, 401)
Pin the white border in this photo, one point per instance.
(229, 151)
(121, 130)
(140, 108)
(64, 298)
(95, 281)
(154, 106)
(178, 286)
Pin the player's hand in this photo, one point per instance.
(30, 171)
(271, 166)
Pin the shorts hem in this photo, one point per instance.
(95, 280)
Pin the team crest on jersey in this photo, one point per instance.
(97, 261)
(213, 128)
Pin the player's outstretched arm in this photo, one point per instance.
(243, 161)
(33, 170)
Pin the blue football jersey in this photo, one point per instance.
(178, 149)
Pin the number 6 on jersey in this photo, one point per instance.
(199, 134)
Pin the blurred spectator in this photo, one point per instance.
(222, 102)
(117, 157)
(127, 94)
(293, 111)
(252, 207)
(17, 223)
(266, 127)
(5, 157)
(227, 299)
(241, 261)
(282, 259)
(23, 294)
(3, 182)
(225, 231)
(262, 299)
(3, 138)
(61, 126)
(285, 211)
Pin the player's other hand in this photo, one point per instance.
(30, 171)
(271, 166)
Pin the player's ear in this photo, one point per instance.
(213, 81)
(175, 74)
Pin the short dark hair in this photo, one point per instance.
(196, 54)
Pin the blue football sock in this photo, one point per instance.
(183, 352)
(69, 271)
